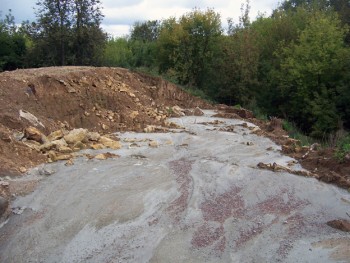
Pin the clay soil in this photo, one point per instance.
(107, 100)
(99, 99)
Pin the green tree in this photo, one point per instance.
(143, 39)
(117, 53)
(187, 46)
(12, 42)
(67, 32)
(309, 74)
(89, 38)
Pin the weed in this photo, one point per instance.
(343, 148)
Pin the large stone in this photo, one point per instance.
(198, 112)
(56, 135)
(32, 133)
(3, 205)
(109, 143)
(76, 135)
(93, 136)
(57, 145)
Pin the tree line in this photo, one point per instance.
(293, 64)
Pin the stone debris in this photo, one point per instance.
(32, 133)
(279, 168)
(18, 210)
(76, 135)
(105, 156)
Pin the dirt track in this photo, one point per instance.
(197, 197)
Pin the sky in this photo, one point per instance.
(120, 15)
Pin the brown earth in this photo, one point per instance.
(106, 100)
(99, 99)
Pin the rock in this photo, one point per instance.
(79, 146)
(198, 112)
(69, 162)
(153, 144)
(64, 149)
(22, 170)
(97, 146)
(32, 133)
(107, 155)
(340, 224)
(76, 135)
(176, 111)
(134, 114)
(46, 171)
(93, 136)
(18, 136)
(188, 112)
(56, 145)
(30, 117)
(33, 145)
(109, 143)
(56, 135)
(3, 205)
(53, 156)
(149, 129)
(104, 126)
(62, 157)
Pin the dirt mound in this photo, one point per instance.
(99, 99)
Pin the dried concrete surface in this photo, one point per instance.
(197, 197)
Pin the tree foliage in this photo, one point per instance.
(293, 64)
(12, 43)
(187, 46)
(68, 32)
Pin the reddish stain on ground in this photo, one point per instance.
(248, 234)
(221, 245)
(278, 206)
(181, 169)
(206, 236)
(223, 206)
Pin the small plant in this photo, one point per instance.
(343, 148)
(170, 110)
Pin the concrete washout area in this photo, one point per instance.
(196, 197)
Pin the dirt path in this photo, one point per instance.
(193, 195)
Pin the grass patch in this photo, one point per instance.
(295, 133)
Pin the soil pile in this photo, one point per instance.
(103, 100)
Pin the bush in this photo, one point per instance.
(343, 148)
(295, 133)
